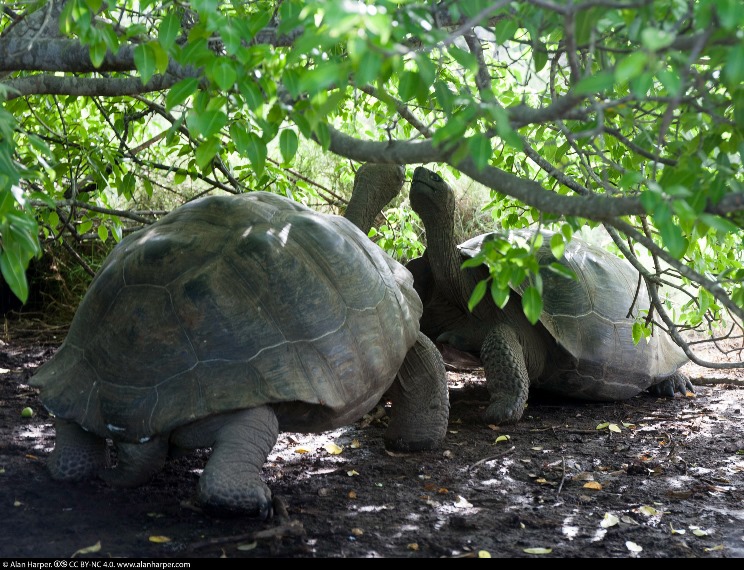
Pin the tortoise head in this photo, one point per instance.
(431, 197)
(374, 186)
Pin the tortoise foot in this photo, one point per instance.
(77, 455)
(503, 412)
(668, 387)
(244, 499)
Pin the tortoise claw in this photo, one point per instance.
(676, 383)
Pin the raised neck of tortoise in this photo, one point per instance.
(375, 185)
(445, 260)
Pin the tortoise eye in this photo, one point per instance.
(435, 177)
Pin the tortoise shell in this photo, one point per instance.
(231, 302)
(591, 317)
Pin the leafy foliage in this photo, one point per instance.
(574, 115)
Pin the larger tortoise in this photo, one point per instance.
(232, 318)
(581, 347)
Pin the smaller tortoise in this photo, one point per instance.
(231, 318)
(581, 347)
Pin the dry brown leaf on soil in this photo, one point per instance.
(88, 549)
(333, 449)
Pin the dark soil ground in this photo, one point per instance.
(647, 478)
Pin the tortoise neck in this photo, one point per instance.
(446, 261)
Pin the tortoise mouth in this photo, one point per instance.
(419, 195)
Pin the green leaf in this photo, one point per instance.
(255, 149)
(630, 66)
(539, 55)
(223, 73)
(146, 61)
(206, 152)
(323, 135)
(586, 20)
(444, 96)
(562, 270)
(673, 239)
(505, 30)
(650, 201)
(259, 20)
(532, 304)
(97, 53)
(557, 245)
(168, 31)
(641, 85)
(14, 272)
(733, 69)
(718, 223)
(321, 78)
(288, 144)
(180, 92)
(103, 233)
(250, 92)
(207, 123)
(670, 80)
(480, 150)
(637, 332)
(464, 58)
(427, 71)
(500, 294)
(231, 37)
(654, 39)
(594, 83)
(477, 294)
(408, 85)
(368, 69)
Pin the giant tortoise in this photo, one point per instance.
(227, 320)
(581, 347)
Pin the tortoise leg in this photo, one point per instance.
(670, 385)
(137, 462)
(231, 483)
(420, 397)
(507, 378)
(77, 455)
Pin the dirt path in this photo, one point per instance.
(647, 478)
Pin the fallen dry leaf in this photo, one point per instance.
(88, 549)
(537, 550)
(333, 449)
(609, 520)
(462, 503)
(633, 547)
(647, 510)
(159, 539)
